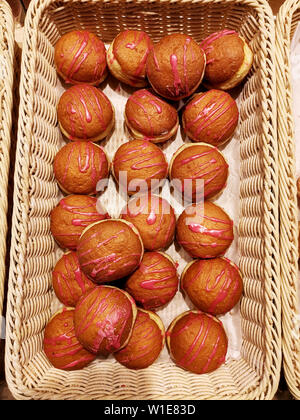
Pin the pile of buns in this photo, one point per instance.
(115, 272)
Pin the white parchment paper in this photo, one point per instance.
(229, 200)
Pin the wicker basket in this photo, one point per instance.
(255, 374)
(6, 103)
(288, 18)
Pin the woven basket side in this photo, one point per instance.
(6, 103)
(33, 251)
(288, 17)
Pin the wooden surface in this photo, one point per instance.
(5, 394)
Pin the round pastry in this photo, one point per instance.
(80, 57)
(197, 342)
(210, 117)
(109, 250)
(228, 59)
(71, 216)
(214, 286)
(154, 218)
(60, 344)
(139, 165)
(204, 231)
(175, 66)
(68, 280)
(79, 166)
(150, 118)
(127, 56)
(146, 342)
(104, 319)
(85, 113)
(198, 170)
(155, 282)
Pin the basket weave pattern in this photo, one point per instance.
(33, 251)
(288, 18)
(6, 102)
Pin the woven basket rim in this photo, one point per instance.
(267, 387)
(287, 197)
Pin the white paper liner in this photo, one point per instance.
(118, 93)
(295, 81)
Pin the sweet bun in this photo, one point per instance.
(204, 231)
(68, 280)
(154, 218)
(146, 342)
(61, 345)
(150, 118)
(175, 66)
(104, 319)
(79, 166)
(127, 56)
(155, 282)
(210, 117)
(71, 216)
(85, 114)
(195, 162)
(144, 164)
(197, 342)
(214, 286)
(228, 59)
(80, 57)
(109, 250)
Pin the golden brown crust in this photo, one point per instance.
(109, 250)
(104, 319)
(145, 343)
(154, 119)
(154, 218)
(298, 188)
(143, 162)
(79, 166)
(204, 232)
(225, 57)
(60, 344)
(214, 286)
(155, 282)
(210, 117)
(68, 280)
(196, 162)
(71, 216)
(175, 66)
(85, 113)
(80, 57)
(127, 56)
(197, 342)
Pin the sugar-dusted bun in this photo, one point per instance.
(109, 250)
(80, 57)
(214, 286)
(85, 113)
(210, 117)
(144, 164)
(196, 162)
(175, 66)
(127, 56)
(150, 118)
(197, 342)
(154, 218)
(204, 231)
(155, 282)
(79, 166)
(146, 342)
(61, 345)
(68, 280)
(104, 319)
(71, 216)
(228, 59)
